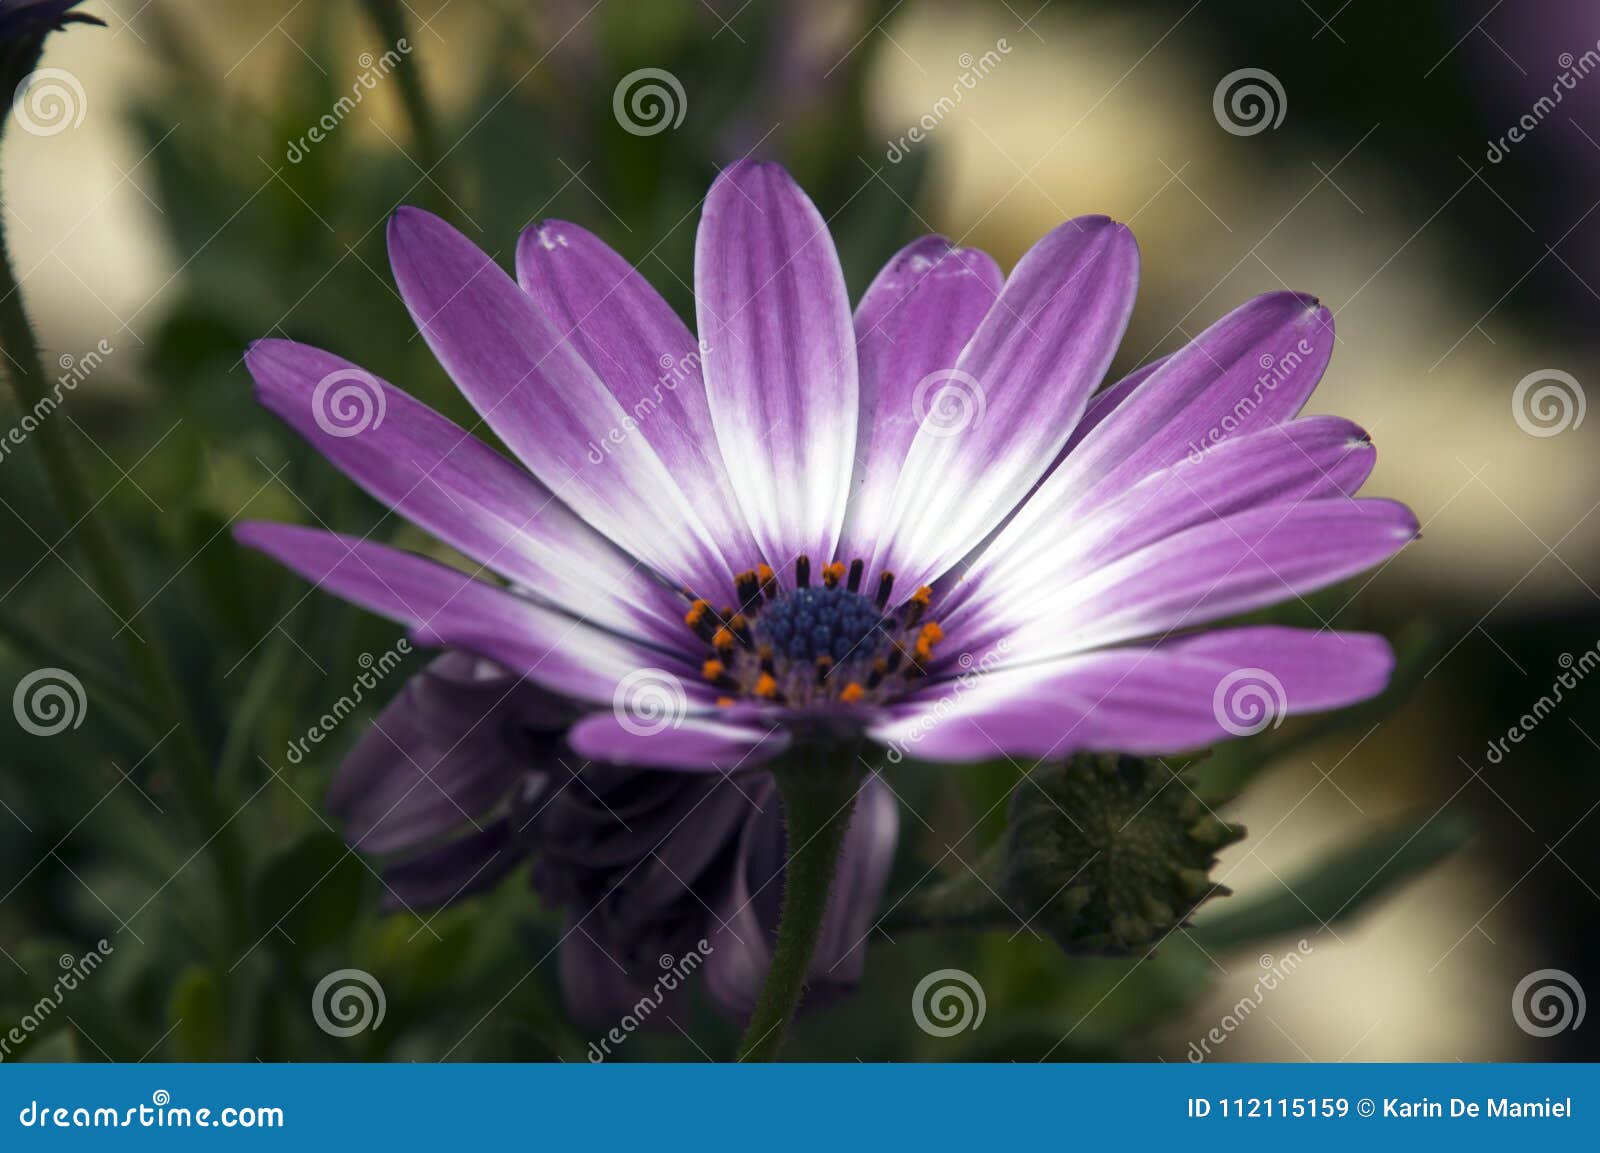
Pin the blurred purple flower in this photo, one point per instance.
(464, 777)
(20, 18)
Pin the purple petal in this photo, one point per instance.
(1103, 403)
(1252, 369)
(780, 361)
(1249, 371)
(1165, 699)
(1220, 568)
(914, 320)
(1317, 457)
(636, 857)
(693, 744)
(446, 607)
(530, 384)
(447, 750)
(1014, 396)
(432, 472)
(746, 920)
(442, 875)
(595, 986)
(645, 355)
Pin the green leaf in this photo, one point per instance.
(309, 893)
(60, 1047)
(199, 1030)
(1340, 885)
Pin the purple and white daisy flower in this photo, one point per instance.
(918, 524)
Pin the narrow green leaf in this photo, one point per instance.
(199, 1018)
(1340, 885)
(308, 895)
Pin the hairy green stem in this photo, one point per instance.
(818, 800)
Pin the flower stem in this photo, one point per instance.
(109, 572)
(390, 20)
(963, 902)
(818, 800)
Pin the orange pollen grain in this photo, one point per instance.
(713, 669)
(851, 693)
(766, 686)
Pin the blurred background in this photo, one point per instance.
(1427, 169)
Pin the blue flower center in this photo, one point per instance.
(806, 645)
(804, 624)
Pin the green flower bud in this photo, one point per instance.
(1109, 854)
